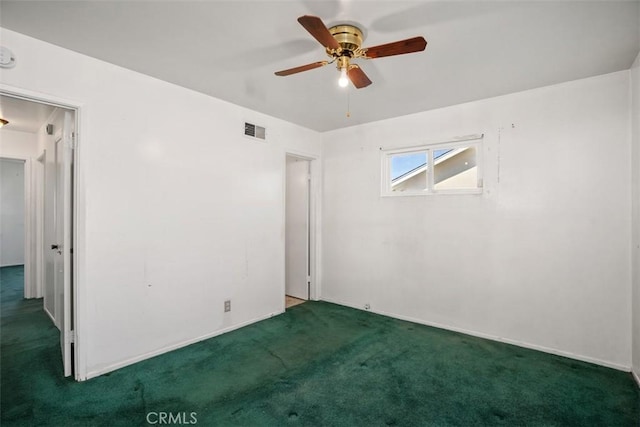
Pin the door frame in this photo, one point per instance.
(39, 188)
(79, 220)
(314, 220)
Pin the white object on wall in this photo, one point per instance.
(7, 58)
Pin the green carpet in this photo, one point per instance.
(319, 364)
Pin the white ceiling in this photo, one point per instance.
(24, 116)
(230, 49)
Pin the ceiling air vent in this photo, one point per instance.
(254, 131)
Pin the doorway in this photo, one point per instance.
(298, 230)
(12, 212)
(42, 135)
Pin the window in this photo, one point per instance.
(442, 168)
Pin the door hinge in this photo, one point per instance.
(72, 336)
(71, 141)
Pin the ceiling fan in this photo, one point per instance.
(343, 43)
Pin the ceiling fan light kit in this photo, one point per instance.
(343, 81)
(343, 43)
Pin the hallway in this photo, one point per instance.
(30, 349)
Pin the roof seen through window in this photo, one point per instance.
(403, 164)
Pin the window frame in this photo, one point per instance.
(428, 148)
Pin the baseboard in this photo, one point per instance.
(149, 355)
(49, 314)
(636, 377)
(523, 344)
(12, 265)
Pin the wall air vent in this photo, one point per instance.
(254, 131)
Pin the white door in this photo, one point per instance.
(297, 228)
(49, 232)
(62, 247)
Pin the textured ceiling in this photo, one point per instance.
(230, 49)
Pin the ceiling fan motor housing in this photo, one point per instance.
(349, 37)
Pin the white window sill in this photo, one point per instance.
(432, 193)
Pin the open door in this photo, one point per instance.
(297, 251)
(52, 201)
(63, 246)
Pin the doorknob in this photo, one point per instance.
(53, 247)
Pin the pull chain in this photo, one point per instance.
(348, 102)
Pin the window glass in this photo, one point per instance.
(408, 171)
(454, 169)
(402, 164)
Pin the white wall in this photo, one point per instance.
(635, 251)
(18, 145)
(178, 210)
(540, 259)
(12, 196)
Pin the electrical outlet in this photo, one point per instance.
(227, 305)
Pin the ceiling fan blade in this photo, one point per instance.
(301, 68)
(319, 31)
(358, 77)
(415, 44)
